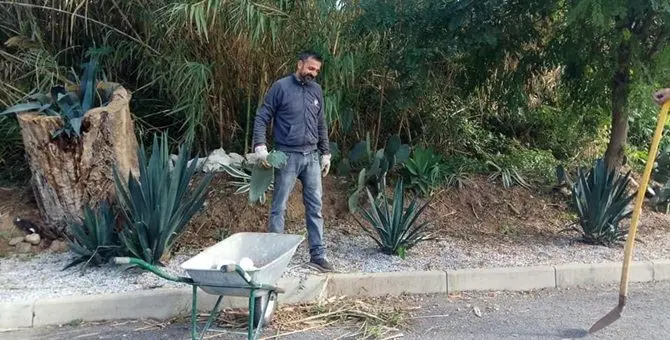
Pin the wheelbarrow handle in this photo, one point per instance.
(121, 260)
(236, 268)
(228, 268)
(146, 266)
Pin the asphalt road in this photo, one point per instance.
(552, 314)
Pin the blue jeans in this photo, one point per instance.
(307, 169)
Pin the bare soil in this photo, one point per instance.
(16, 202)
(482, 213)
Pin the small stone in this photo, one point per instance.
(15, 240)
(23, 247)
(58, 246)
(477, 311)
(33, 239)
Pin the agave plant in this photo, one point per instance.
(602, 200)
(95, 239)
(70, 105)
(424, 170)
(508, 175)
(377, 165)
(394, 228)
(158, 205)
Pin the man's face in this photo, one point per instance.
(309, 69)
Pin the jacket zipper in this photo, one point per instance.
(304, 117)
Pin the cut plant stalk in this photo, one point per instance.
(615, 314)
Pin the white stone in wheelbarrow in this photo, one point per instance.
(270, 252)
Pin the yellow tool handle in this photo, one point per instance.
(628, 251)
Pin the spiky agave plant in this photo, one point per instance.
(423, 168)
(94, 240)
(158, 205)
(394, 228)
(69, 104)
(602, 200)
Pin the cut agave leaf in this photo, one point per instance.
(277, 159)
(25, 107)
(260, 182)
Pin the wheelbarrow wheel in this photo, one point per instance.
(269, 300)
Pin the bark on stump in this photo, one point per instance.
(67, 176)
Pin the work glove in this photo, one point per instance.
(262, 153)
(325, 164)
(662, 96)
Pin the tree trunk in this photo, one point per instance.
(67, 176)
(614, 155)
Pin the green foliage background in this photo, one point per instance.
(528, 81)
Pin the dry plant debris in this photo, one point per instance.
(371, 318)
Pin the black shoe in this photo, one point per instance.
(321, 265)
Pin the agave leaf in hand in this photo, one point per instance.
(262, 177)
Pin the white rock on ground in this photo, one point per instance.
(33, 239)
(42, 276)
(235, 159)
(216, 161)
(15, 240)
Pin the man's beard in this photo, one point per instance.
(306, 77)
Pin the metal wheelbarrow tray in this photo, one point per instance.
(270, 253)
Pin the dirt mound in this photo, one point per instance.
(227, 213)
(482, 211)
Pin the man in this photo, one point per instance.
(662, 96)
(295, 104)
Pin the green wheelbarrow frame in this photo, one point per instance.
(252, 286)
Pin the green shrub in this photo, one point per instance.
(424, 170)
(158, 205)
(394, 228)
(601, 199)
(95, 240)
(522, 165)
(376, 165)
(661, 174)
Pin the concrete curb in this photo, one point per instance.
(167, 303)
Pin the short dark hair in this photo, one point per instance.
(304, 55)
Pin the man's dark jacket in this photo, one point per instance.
(299, 122)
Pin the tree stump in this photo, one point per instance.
(68, 175)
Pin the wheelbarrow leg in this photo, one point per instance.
(257, 329)
(251, 333)
(194, 313)
(213, 314)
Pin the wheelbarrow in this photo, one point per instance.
(270, 253)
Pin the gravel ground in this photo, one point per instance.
(41, 276)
